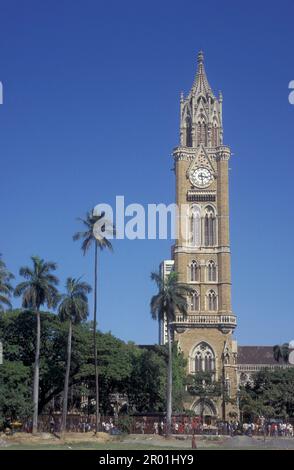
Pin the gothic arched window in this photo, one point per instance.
(214, 136)
(209, 227)
(203, 358)
(195, 304)
(195, 226)
(212, 301)
(194, 271)
(202, 133)
(188, 132)
(198, 362)
(211, 271)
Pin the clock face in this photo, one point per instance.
(201, 177)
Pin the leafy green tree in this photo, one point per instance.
(6, 288)
(116, 358)
(171, 297)
(271, 393)
(15, 396)
(138, 373)
(147, 382)
(73, 309)
(39, 288)
(97, 231)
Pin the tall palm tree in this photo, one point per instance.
(171, 297)
(39, 288)
(72, 309)
(281, 351)
(6, 288)
(99, 238)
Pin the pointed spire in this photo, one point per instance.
(201, 85)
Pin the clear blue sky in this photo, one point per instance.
(91, 111)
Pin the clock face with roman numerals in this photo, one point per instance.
(201, 177)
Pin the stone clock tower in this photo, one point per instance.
(202, 248)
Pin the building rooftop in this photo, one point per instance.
(256, 355)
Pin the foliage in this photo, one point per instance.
(15, 391)
(271, 394)
(125, 424)
(39, 287)
(123, 367)
(74, 304)
(147, 382)
(171, 296)
(92, 235)
(203, 385)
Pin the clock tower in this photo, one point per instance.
(202, 247)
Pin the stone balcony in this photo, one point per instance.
(206, 321)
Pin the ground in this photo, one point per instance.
(137, 442)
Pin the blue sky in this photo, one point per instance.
(91, 111)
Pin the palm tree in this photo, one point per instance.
(98, 238)
(281, 351)
(72, 309)
(5, 286)
(39, 288)
(171, 297)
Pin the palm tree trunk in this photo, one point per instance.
(66, 381)
(97, 421)
(36, 374)
(169, 381)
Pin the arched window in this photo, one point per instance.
(214, 136)
(198, 362)
(203, 358)
(212, 301)
(202, 133)
(188, 132)
(195, 304)
(209, 227)
(194, 271)
(211, 271)
(195, 230)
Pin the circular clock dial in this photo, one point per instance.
(201, 177)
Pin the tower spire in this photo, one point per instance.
(201, 113)
(200, 84)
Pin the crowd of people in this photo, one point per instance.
(181, 425)
(190, 426)
(273, 429)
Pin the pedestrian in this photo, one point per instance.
(194, 446)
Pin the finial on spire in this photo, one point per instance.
(200, 57)
(182, 96)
